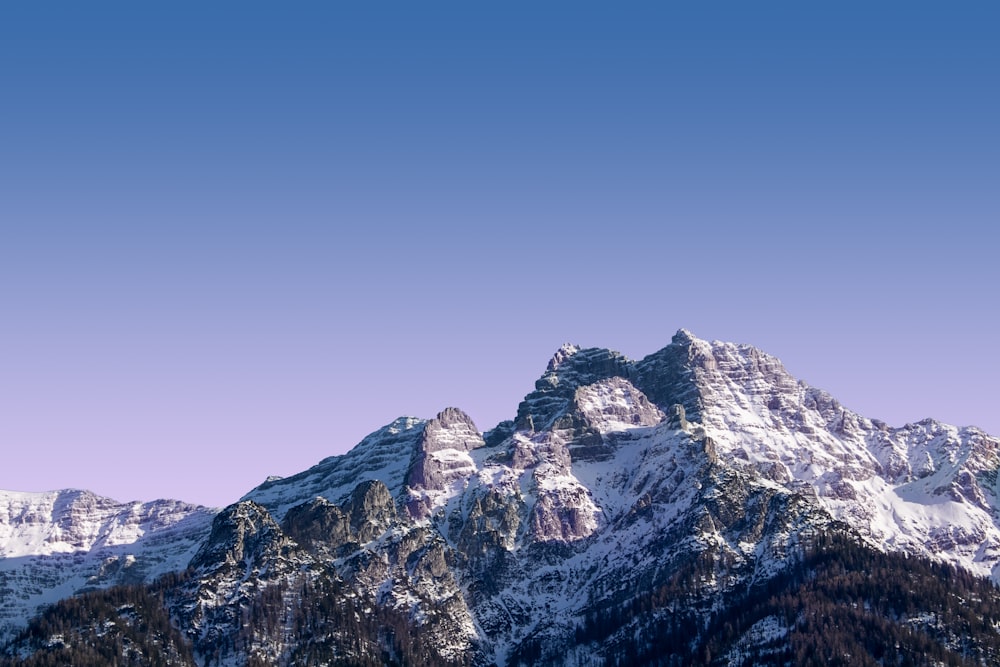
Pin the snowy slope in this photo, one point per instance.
(55, 544)
(384, 455)
(924, 488)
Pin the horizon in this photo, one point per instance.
(236, 240)
(480, 427)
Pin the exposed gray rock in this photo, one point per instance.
(371, 510)
(677, 417)
(490, 529)
(441, 460)
(614, 404)
(329, 531)
(247, 555)
(666, 376)
(565, 517)
(499, 433)
(242, 534)
(319, 526)
(569, 369)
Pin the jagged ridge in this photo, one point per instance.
(703, 462)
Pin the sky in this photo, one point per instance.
(237, 237)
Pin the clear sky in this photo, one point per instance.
(237, 237)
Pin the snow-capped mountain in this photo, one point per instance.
(627, 507)
(926, 488)
(57, 544)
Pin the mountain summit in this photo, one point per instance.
(685, 508)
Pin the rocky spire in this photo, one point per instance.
(441, 459)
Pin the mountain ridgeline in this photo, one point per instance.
(697, 507)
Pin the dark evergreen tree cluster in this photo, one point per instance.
(847, 604)
(841, 603)
(118, 627)
(337, 627)
(837, 603)
(131, 626)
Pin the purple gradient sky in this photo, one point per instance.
(236, 239)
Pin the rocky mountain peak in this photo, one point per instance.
(683, 337)
(554, 391)
(451, 429)
(566, 351)
(441, 460)
(241, 533)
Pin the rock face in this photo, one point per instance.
(623, 496)
(614, 404)
(319, 526)
(252, 579)
(242, 534)
(569, 369)
(246, 556)
(442, 463)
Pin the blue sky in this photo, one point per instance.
(235, 239)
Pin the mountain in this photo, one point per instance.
(697, 506)
(56, 544)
